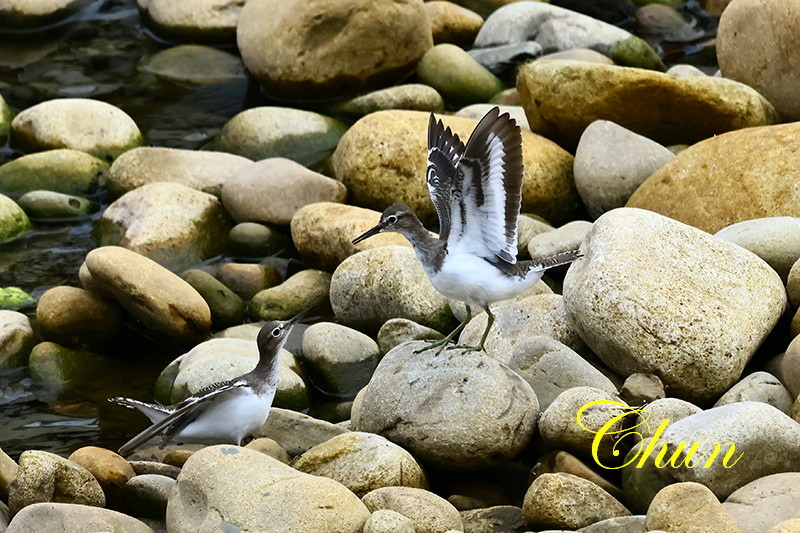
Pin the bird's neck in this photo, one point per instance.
(266, 371)
(428, 248)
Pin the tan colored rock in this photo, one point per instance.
(451, 23)
(16, 341)
(23, 14)
(766, 503)
(63, 517)
(248, 279)
(396, 173)
(793, 284)
(388, 521)
(413, 96)
(205, 20)
(688, 508)
(561, 98)
(77, 318)
(776, 240)
(194, 63)
(8, 469)
(787, 526)
(296, 432)
(270, 447)
(428, 512)
(111, 470)
(559, 461)
(299, 292)
(715, 183)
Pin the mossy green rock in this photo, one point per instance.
(297, 293)
(55, 205)
(56, 365)
(63, 170)
(13, 220)
(227, 309)
(635, 52)
(457, 76)
(6, 115)
(14, 298)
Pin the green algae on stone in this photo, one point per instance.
(56, 365)
(297, 293)
(61, 170)
(55, 205)
(13, 220)
(635, 52)
(227, 309)
(6, 116)
(457, 76)
(14, 298)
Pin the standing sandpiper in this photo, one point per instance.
(477, 193)
(224, 412)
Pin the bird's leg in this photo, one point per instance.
(480, 346)
(442, 344)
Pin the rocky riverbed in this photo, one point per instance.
(175, 173)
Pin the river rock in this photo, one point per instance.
(562, 239)
(6, 116)
(161, 301)
(299, 292)
(459, 78)
(567, 501)
(91, 126)
(664, 410)
(200, 170)
(205, 21)
(396, 173)
(776, 240)
(72, 517)
(388, 521)
(412, 96)
(500, 519)
(270, 447)
(195, 64)
(248, 279)
(288, 185)
(167, 222)
(147, 495)
(504, 60)
(789, 367)
(610, 164)
(296, 432)
(250, 489)
(793, 284)
(362, 462)
(265, 132)
(560, 461)
(561, 98)
(641, 300)
(46, 477)
(759, 387)
(372, 286)
(339, 360)
(765, 502)
(619, 524)
(57, 366)
(49, 205)
(77, 318)
(18, 15)
(665, 22)
(458, 410)
(580, 54)
(477, 111)
(323, 233)
(376, 44)
(16, 340)
(61, 170)
(13, 220)
(14, 298)
(396, 331)
(428, 512)
(642, 389)
(227, 309)
(8, 469)
(112, 471)
(451, 23)
(688, 507)
(250, 239)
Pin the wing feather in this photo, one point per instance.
(444, 152)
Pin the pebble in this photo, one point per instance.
(562, 239)
(412, 96)
(457, 76)
(559, 461)
(55, 206)
(505, 59)
(161, 301)
(428, 512)
(651, 416)
(8, 469)
(147, 495)
(77, 318)
(227, 309)
(397, 331)
(289, 186)
(498, 519)
(69, 517)
(759, 387)
(640, 298)
(16, 342)
(702, 185)
(376, 44)
(456, 411)
(247, 279)
(451, 23)
(13, 220)
(296, 432)
(58, 367)
(269, 447)
(299, 292)
(110, 470)
(388, 521)
(205, 171)
(195, 64)
(688, 507)
(642, 389)
(60, 170)
(610, 164)
(765, 502)
(91, 126)
(193, 20)
(776, 240)
(222, 485)
(250, 239)
(362, 462)
(478, 111)
(793, 284)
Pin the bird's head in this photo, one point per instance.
(273, 335)
(397, 217)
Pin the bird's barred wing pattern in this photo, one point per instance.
(155, 412)
(487, 191)
(444, 152)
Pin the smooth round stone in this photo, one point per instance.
(16, 339)
(515, 321)
(13, 220)
(152, 467)
(147, 495)
(110, 470)
(610, 164)
(288, 45)
(685, 71)
(228, 484)
(264, 132)
(504, 60)
(568, 502)
(776, 240)
(451, 23)
(457, 76)
(564, 462)
(765, 502)
(793, 284)
(551, 368)
(91, 126)
(396, 331)
(227, 309)
(288, 185)
(562, 239)
(362, 462)
(192, 20)
(323, 233)
(664, 21)
(269, 447)
(167, 222)
(757, 44)
(57, 366)
(688, 507)
(8, 469)
(296, 432)
(759, 387)
(641, 300)
(247, 279)
(413, 96)
(620, 524)
(477, 111)
(428, 512)
(196, 64)
(55, 205)
(61, 170)
(502, 518)
(561, 99)
(559, 428)
(14, 298)
(298, 293)
(251, 239)
(339, 360)
(451, 411)
(46, 477)
(372, 286)
(641, 479)
(160, 300)
(27, 14)
(388, 521)
(787, 526)
(580, 54)
(69, 515)
(200, 170)
(77, 318)
(378, 179)
(6, 116)
(703, 185)
(652, 415)
(642, 389)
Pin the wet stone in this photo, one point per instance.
(247, 279)
(58, 366)
(13, 220)
(147, 495)
(193, 21)
(61, 170)
(196, 64)
(414, 96)
(16, 342)
(250, 239)
(227, 309)
(49, 205)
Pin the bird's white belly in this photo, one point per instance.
(477, 282)
(231, 418)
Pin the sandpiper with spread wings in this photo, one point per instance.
(477, 193)
(222, 413)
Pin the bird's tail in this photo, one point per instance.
(153, 411)
(544, 263)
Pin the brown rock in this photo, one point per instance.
(428, 512)
(77, 318)
(451, 23)
(688, 508)
(247, 279)
(8, 469)
(112, 471)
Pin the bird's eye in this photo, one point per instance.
(277, 332)
(391, 219)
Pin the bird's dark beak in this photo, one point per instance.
(300, 315)
(369, 233)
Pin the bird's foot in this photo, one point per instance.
(433, 344)
(465, 348)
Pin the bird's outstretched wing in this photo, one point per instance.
(181, 413)
(487, 192)
(155, 412)
(444, 152)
